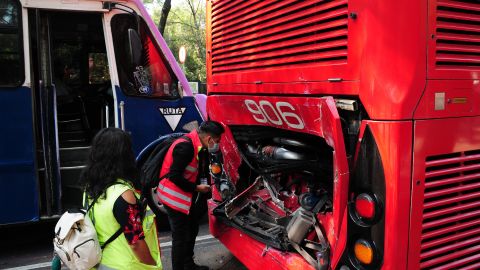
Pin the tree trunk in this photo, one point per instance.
(163, 19)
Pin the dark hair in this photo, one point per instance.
(111, 157)
(211, 127)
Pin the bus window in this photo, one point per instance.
(154, 78)
(11, 56)
(98, 72)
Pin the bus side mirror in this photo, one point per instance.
(135, 48)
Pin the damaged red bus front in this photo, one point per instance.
(351, 133)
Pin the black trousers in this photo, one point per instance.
(184, 231)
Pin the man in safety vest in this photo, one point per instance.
(184, 162)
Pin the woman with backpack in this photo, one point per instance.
(117, 214)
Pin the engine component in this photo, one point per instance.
(225, 190)
(320, 250)
(281, 153)
(309, 200)
(273, 191)
(235, 205)
(290, 142)
(299, 225)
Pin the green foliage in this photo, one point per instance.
(185, 26)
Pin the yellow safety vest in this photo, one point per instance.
(118, 254)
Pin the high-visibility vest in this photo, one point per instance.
(169, 193)
(118, 254)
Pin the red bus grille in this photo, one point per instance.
(451, 212)
(259, 34)
(458, 34)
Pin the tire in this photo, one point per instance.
(157, 208)
(152, 200)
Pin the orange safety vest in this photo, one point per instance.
(169, 193)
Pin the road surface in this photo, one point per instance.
(29, 247)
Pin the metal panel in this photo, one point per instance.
(449, 98)
(394, 140)
(449, 203)
(19, 200)
(454, 44)
(261, 35)
(144, 119)
(445, 218)
(365, 49)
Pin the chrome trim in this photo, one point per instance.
(107, 116)
(73, 167)
(122, 115)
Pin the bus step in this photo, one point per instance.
(79, 135)
(68, 116)
(74, 156)
(74, 143)
(70, 125)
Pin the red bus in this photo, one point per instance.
(353, 132)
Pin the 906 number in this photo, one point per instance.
(282, 112)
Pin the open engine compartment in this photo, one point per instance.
(284, 192)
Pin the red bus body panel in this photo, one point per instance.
(381, 42)
(445, 197)
(253, 254)
(413, 65)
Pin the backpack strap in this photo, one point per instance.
(142, 195)
(89, 206)
(119, 231)
(113, 237)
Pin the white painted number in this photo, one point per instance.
(265, 112)
(258, 115)
(266, 108)
(298, 121)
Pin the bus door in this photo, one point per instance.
(19, 199)
(74, 99)
(149, 98)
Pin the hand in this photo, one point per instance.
(203, 188)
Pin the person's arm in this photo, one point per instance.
(127, 213)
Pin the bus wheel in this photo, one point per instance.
(157, 207)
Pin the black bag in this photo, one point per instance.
(150, 166)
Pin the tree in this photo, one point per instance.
(185, 26)
(167, 5)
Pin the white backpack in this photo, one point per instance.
(76, 242)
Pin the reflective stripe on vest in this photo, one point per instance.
(191, 169)
(174, 193)
(171, 202)
(170, 194)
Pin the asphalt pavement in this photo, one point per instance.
(28, 247)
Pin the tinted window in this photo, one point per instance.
(153, 77)
(98, 72)
(11, 49)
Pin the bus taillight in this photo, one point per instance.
(365, 207)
